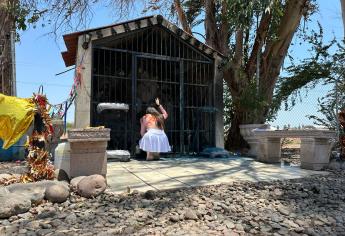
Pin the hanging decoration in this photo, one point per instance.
(37, 159)
(40, 166)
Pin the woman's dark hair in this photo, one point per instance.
(160, 120)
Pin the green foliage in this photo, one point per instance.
(251, 102)
(25, 14)
(193, 10)
(334, 100)
(243, 14)
(327, 107)
(306, 75)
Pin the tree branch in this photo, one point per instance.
(210, 23)
(238, 48)
(182, 16)
(246, 44)
(276, 51)
(224, 33)
(258, 43)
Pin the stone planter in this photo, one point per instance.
(88, 151)
(247, 134)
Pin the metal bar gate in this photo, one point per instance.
(132, 75)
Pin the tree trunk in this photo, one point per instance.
(234, 140)
(7, 21)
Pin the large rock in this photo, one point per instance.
(61, 175)
(57, 193)
(41, 185)
(75, 181)
(150, 195)
(35, 191)
(91, 186)
(13, 204)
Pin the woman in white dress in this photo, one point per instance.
(154, 139)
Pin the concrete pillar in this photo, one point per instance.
(82, 117)
(315, 153)
(219, 104)
(269, 150)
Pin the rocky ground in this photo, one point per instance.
(12, 167)
(309, 206)
(291, 156)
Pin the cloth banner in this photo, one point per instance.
(16, 115)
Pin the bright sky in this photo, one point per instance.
(39, 59)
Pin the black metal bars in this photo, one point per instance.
(154, 63)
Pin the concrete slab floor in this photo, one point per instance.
(170, 173)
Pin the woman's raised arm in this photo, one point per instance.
(161, 108)
(163, 111)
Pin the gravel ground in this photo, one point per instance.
(309, 206)
(12, 167)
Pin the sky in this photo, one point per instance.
(38, 60)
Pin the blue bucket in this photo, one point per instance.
(15, 153)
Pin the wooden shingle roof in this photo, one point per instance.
(71, 40)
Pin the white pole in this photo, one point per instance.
(13, 57)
